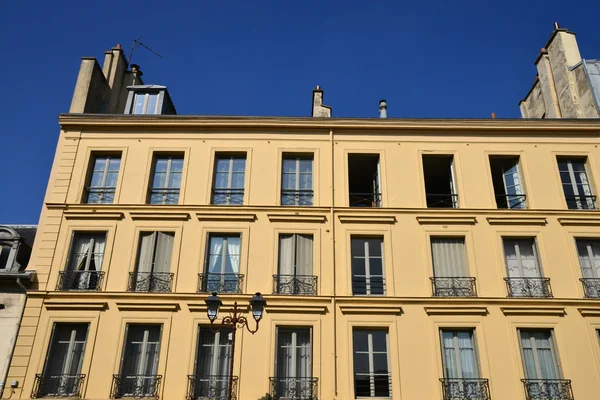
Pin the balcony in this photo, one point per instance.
(441, 200)
(375, 285)
(135, 386)
(547, 389)
(57, 386)
(511, 201)
(294, 388)
(228, 197)
(150, 282)
(295, 284)
(99, 195)
(80, 280)
(220, 283)
(373, 385)
(465, 389)
(213, 387)
(581, 202)
(365, 200)
(591, 287)
(163, 196)
(297, 197)
(528, 287)
(453, 287)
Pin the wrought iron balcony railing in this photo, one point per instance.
(465, 389)
(220, 283)
(228, 197)
(150, 281)
(591, 287)
(295, 284)
(294, 388)
(441, 200)
(581, 202)
(135, 386)
(80, 280)
(365, 199)
(57, 386)
(213, 387)
(453, 286)
(373, 385)
(302, 197)
(374, 285)
(99, 195)
(511, 201)
(528, 287)
(547, 389)
(163, 196)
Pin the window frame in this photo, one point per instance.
(584, 159)
(295, 252)
(170, 156)
(456, 347)
(294, 331)
(371, 352)
(553, 349)
(109, 156)
(590, 253)
(146, 94)
(535, 248)
(297, 157)
(224, 252)
(230, 157)
(366, 257)
(124, 352)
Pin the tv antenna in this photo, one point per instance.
(138, 43)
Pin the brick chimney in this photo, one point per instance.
(318, 109)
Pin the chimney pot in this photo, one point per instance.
(118, 45)
(493, 115)
(382, 109)
(556, 25)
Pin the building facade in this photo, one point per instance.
(405, 259)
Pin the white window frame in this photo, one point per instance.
(555, 360)
(519, 258)
(367, 258)
(102, 188)
(590, 254)
(458, 353)
(231, 159)
(573, 181)
(146, 101)
(370, 351)
(297, 175)
(166, 189)
(294, 346)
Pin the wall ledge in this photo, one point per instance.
(159, 215)
(589, 312)
(454, 220)
(516, 220)
(366, 219)
(579, 221)
(548, 311)
(371, 309)
(456, 310)
(225, 216)
(69, 305)
(296, 217)
(94, 214)
(148, 306)
(296, 309)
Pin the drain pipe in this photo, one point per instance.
(334, 304)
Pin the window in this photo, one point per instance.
(364, 180)
(213, 362)
(5, 249)
(539, 356)
(371, 366)
(102, 180)
(166, 179)
(139, 364)
(62, 369)
(450, 268)
(228, 186)
(84, 266)
(589, 261)
(295, 265)
(523, 268)
(440, 183)
(506, 178)
(576, 184)
(222, 269)
(459, 355)
(297, 181)
(293, 367)
(145, 103)
(367, 265)
(153, 268)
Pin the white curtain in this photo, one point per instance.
(538, 355)
(294, 353)
(521, 258)
(233, 255)
(146, 251)
(81, 246)
(215, 258)
(164, 252)
(449, 258)
(459, 355)
(468, 361)
(98, 252)
(286, 255)
(589, 258)
(304, 255)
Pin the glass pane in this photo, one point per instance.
(374, 247)
(358, 266)
(160, 180)
(289, 181)
(306, 165)
(161, 165)
(96, 179)
(152, 101)
(376, 266)
(360, 340)
(305, 181)
(138, 103)
(289, 165)
(362, 386)
(175, 180)
(379, 340)
(357, 247)
(239, 164)
(223, 165)
(221, 180)
(176, 165)
(237, 180)
(376, 285)
(565, 177)
(361, 362)
(380, 364)
(111, 179)
(382, 386)
(115, 164)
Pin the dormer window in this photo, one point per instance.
(149, 100)
(145, 103)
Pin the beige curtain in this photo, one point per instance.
(146, 251)
(449, 257)
(304, 255)
(164, 252)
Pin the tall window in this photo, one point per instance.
(297, 181)
(228, 186)
(102, 180)
(440, 182)
(222, 270)
(5, 249)
(84, 267)
(153, 269)
(213, 361)
(372, 376)
(61, 376)
(364, 180)
(294, 364)
(145, 103)
(576, 184)
(295, 265)
(539, 356)
(589, 261)
(166, 179)
(367, 265)
(523, 268)
(139, 365)
(508, 186)
(450, 269)
(459, 356)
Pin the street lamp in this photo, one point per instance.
(234, 321)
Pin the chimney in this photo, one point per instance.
(137, 73)
(382, 109)
(318, 109)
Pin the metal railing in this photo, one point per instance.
(213, 387)
(295, 284)
(99, 195)
(135, 386)
(220, 283)
(528, 287)
(79, 280)
(511, 201)
(228, 197)
(581, 202)
(453, 286)
(57, 386)
(374, 285)
(373, 385)
(302, 197)
(591, 287)
(150, 281)
(547, 389)
(294, 388)
(465, 389)
(365, 199)
(441, 200)
(163, 195)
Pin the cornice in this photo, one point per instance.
(379, 309)
(589, 312)
(221, 215)
(296, 217)
(70, 306)
(516, 220)
(366, 219)
(579, 221)
(160, 216)
(94, 214)
(456, 310)
(148, 306)
(546, 311)
(450, 220)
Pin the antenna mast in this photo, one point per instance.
(137, 43)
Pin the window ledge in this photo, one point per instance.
(371, 309)
(148, 306)
(94, 214)
(296, 217)
(516, 220)
(456, 310)
(589, 312)
(549, 311)
(225, 216)
(296, 309)
(367, 219)
(157, 215)
(578, 221)
(446, 220)
(70, 305)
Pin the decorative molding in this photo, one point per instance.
(456, 310)
(371, 309)
(159, 215)
(516, 220)
(457, 220)
(224, 309)
(296, 309)
(296, 217)
(579, 221)
(589, 312)
(549, 311)
(211, 216)
(70, 305)
(94, 214)
(148, 306)
(367, 219)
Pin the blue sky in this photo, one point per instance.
(427, 58)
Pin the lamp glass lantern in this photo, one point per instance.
(213, 303)
(257, 305)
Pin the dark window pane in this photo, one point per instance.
(374, 247)
(361, 363)
(379, 340)
(358, 266)
(376, 266)
(359, 286)
(362, 386)
(376, 285)
(360, 338)
(382, 386)
(380, 364)
(358, 247)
